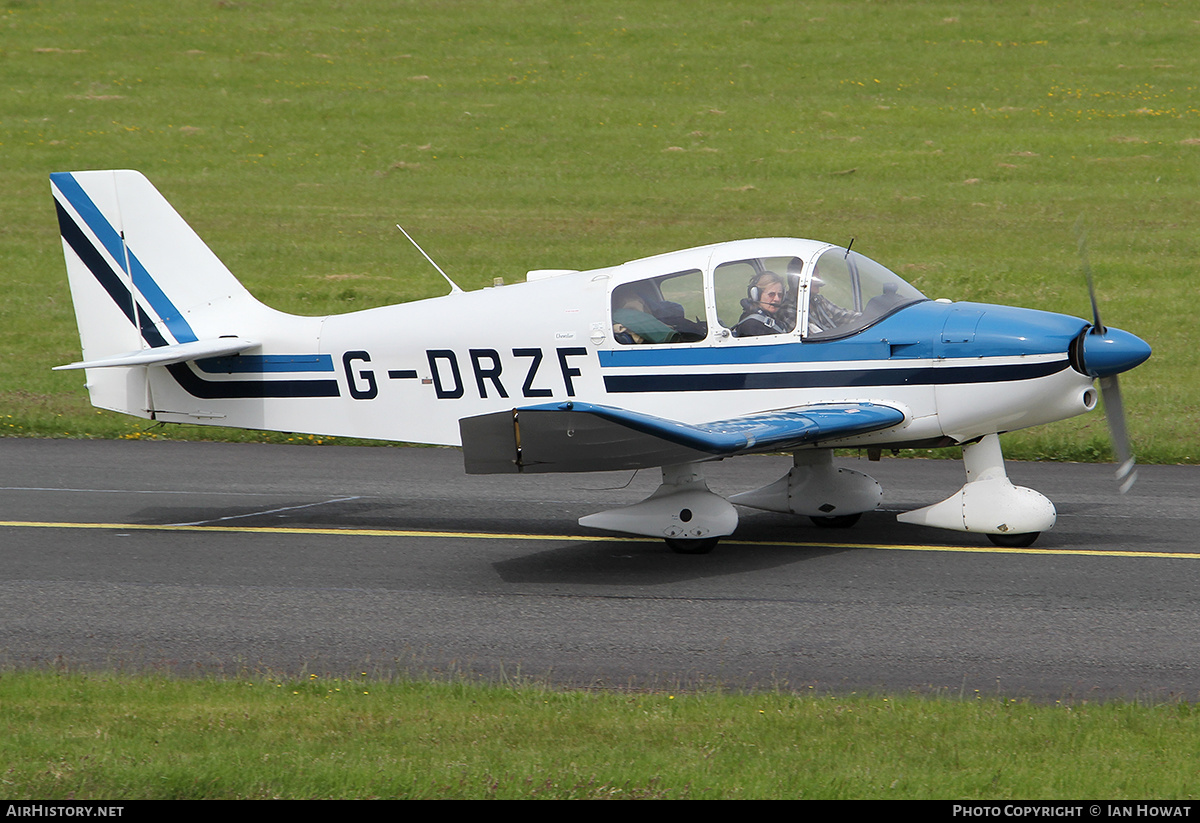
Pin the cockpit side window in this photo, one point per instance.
(666, 309)
(757, 297)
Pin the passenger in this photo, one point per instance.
(633, 324)
(762, 307)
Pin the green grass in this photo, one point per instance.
(957, 142)
(121, 737)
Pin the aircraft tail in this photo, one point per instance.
(146, 289)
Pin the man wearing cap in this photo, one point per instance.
(823, 314)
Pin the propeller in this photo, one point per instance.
(1106, 353)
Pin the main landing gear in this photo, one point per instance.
(836, 521)
(832, 497)
(702, 546)
(682, 510)
(692, 519)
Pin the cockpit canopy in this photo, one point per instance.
(828, 293)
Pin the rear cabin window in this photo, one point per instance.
(667, 309)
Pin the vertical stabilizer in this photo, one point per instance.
(140, 278)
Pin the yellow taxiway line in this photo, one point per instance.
(580, 538)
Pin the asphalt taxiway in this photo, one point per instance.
(203, 557)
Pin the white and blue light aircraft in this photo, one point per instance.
(669, 362)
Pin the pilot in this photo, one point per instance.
(762, 308)
(823, 314)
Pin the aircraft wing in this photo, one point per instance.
(583, 437)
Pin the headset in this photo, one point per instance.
(752, 289)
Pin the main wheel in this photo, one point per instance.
(696, 546)
(1014, 541)
(836, 521)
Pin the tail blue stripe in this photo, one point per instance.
(118, 290)
(111, 240)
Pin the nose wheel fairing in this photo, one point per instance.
(988, 502)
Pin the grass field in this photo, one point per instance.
(119, 738)
(957, 142)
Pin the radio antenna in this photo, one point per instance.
(453, 286)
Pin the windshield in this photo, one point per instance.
(848, 292)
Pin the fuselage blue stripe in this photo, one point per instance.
(832, 378)
(266, 363)
(196, 386)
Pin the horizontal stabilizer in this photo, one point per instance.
(582, 437)
(166, 355)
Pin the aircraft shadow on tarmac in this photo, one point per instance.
(763, 541)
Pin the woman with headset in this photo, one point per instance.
(763, 309)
